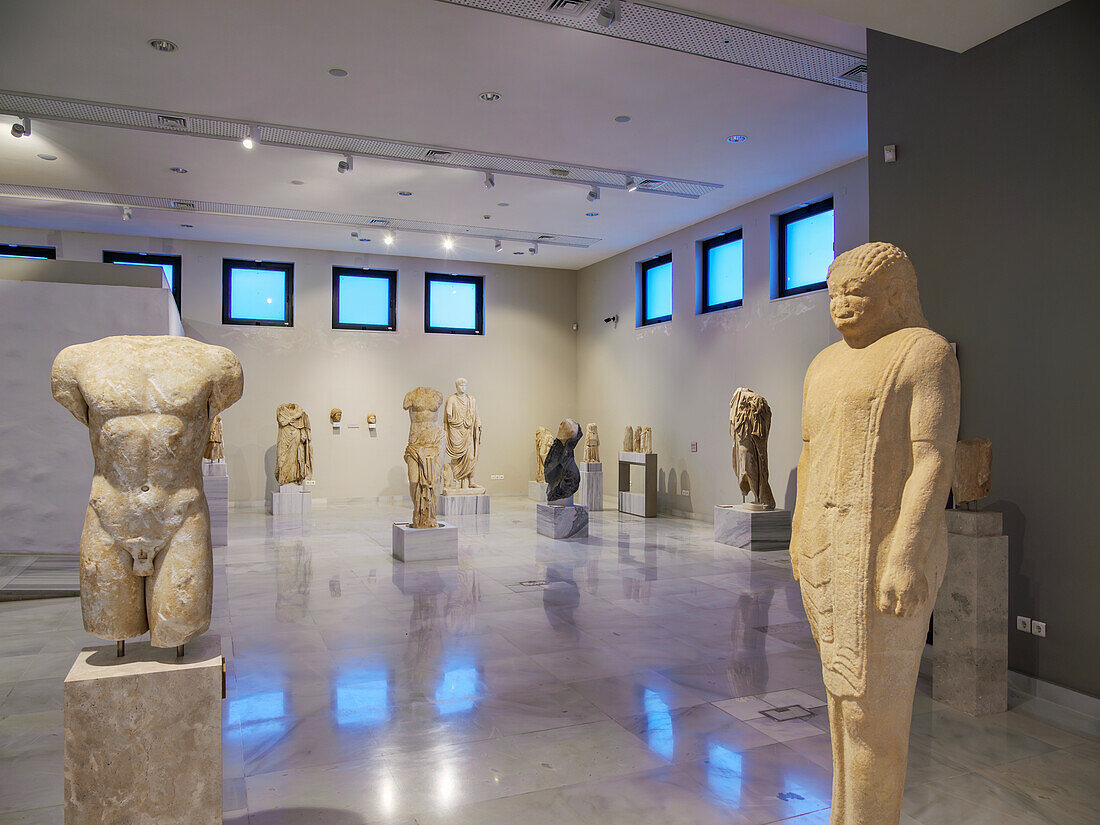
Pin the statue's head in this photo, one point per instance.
(569, 430)
(460, 385)
(335, 414)
(873, 292)
(590, 429)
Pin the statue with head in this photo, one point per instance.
(462, 425)
(880, 415)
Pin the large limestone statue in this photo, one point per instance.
(544, 439)
(750, 423)
(145, 559)
(294, 448)
(973, 470)
(422, 454)
(463, 428)
(562, 473)
(591, 445)
(880, 415)
(213, 450)
(628, 439)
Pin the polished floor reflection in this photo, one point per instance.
(631, 677)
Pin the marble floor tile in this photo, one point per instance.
(689, 734)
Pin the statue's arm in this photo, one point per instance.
(228, 383)
(65, 383)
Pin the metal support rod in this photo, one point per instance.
(120, 648)
(179, 651)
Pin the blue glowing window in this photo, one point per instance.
(805, 248)
(454, 303)
(364, 299)
(457, 692)
(41, 253)
(655, 290)
(362, 698)
(257, 292)
(171, 264)
(722, 272)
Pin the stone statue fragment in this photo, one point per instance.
(294, 448)
(543, 441)
(372, 418)
(628, 440)
(422, 454)
(148, 403)
(335, 414)
(973, 470)
(750, 423)
(562, 473)
(646, 444)
(638, 439)
(591, 445)
(463, 428)
(880, 416)
(213, 450)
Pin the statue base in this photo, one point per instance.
(738, 525)
(561, 521)
(591, 489)
(462, 503)
(536, 491)
(291, 501)
(424, 543)
(215, 484)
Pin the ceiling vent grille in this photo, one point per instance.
(172, 122)
(437, 154)
(567, 8)
(856, 74)
(651, 184)
(186, 206)
(657, 25)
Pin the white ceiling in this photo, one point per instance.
(416, 68)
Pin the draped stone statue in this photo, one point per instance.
(294, 448)
(628, 439)
(880, 416)
(638, 438)
(645, 443)
(562, 474)
(591, 445)
(422, 453)
(750, 423)
(213, 450)
(543, 441)
(463, 427)
(145, 558)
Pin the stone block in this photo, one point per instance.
(561, 521)
(590, 492)
(975, 522)
(736, 525)
(463, 505)
(424, 543)
(291, 500)
(536, 491)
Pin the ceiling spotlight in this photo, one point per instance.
(346, 165)
(490, 97)
(161, 45)
(622, 118)
(179, 170)
(631, 185)
(47, 157)
(252, 138)
(533, 249)
(389, 238)
(337, 72)
(736, 139)
(591, 214)
(503, 203)
(593, 194)
(187, 226)
(405, 194)
(490, 181)
(448, 244)
(498, 246)
(127, 214)
(298, 182)
(611, 13)
(21, 128)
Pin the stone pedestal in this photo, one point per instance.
(424, 543)
(591, 489)
(215, 484)
(643, 503)
(463, 504)
(567, 521)
(143, 735)
(291, 500)
(970, 620)
(736, 525)
(536, 490)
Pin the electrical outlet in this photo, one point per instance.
(309, 482)
(1023, 624)
(1039, 629)
(685, 492)
(497, 477)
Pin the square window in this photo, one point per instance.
(171, 264)
(364, 298)
(722, 279)
(260, 293)
(454, 303)
(805, 248)
(655, 290)
(42, 253)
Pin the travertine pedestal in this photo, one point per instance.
(738, 526)
(215, 484)
(463, 504)
(424, 543)
(970, 621)
(567, 521)
(143, 736)
(591, 489)
(291, 500)
(536, 490)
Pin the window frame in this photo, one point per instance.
(643, 272)
(113, 256)
(390, 275)
(479, 299)
(783, 221)
(287, 268)
(705, 246)
(39, 253)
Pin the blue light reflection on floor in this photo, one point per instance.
(362, 698)
(259, 715)
(659, 733)
(724, 774)
(457, 693)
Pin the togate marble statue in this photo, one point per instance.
(294, 448)
(750, 423)
(335, 414)
(543, 441)
(628, 440)
(880, 416)
(562, 474)
(422, 453)
(591, 445)
(463, 428)
(973, 470)
(145, 558)
(213, 450)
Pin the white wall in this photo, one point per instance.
(678, 377)
(521, 370)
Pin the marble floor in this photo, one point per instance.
(622, 678)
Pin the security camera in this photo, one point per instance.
(611, 319)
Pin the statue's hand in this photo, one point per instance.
(901, 590)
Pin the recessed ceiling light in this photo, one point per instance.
(448, 244)
(405, 194)
(335, 71)
(48, 157)
(187, 226)
(503, 203)
(622, 118)
(487, 217)
(298, 182)
(519, 253)
(737, 138)
(179, 170)
(591, 214)
(162, 45)
(490, 97)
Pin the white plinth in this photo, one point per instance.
(143, 735)
(591, 489)
(463, 504)
(215, 484)
(736, 525)
(536, 490)
(291, 500)
(561, 522)
(424, 543)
